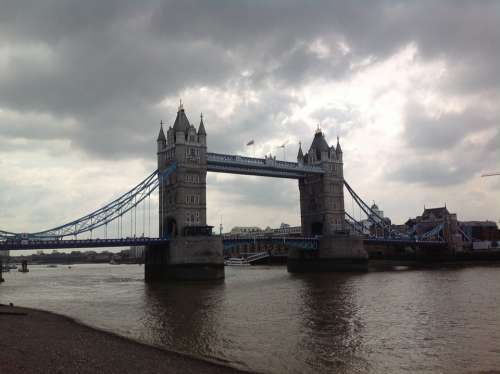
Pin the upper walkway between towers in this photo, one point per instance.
(266, 167)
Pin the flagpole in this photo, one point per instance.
(252, 143)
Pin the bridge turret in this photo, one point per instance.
(161, 143)
(300, 155)
(161, 140)
(181, 126)
(338, 150)
(202, 134)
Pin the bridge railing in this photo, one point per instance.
(310, 243)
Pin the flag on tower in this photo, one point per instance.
(250, 142)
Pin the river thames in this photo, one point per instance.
(267, 320)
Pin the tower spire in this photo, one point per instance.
(300, 154)
(161, 134)
(201, 128)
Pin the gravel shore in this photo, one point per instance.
(33, 341)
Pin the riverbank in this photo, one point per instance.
(34, 341)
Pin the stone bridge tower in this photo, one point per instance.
(323, 215)
(322, 196)
(183, 193)
(191, 253)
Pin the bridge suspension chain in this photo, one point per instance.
(102, 216)
(354, 224)
(372, 215)
(378, 221)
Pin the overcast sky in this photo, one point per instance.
(411, 88)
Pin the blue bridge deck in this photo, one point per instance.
(306, 243)
(79, 243)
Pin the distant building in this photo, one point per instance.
(481, 230)
(432, 218)
(243, 230)
(483, 234)
(284, 230)
(376, 216)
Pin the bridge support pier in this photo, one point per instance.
(185, 258)
(335, 253)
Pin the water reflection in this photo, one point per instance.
(333, 328)
(185, 316)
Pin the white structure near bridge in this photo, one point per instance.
(255, 231)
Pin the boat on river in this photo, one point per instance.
(236, 261)
(8, 267)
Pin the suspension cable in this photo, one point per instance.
(149, 213)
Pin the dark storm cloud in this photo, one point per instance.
(106, 65)
(51, 21)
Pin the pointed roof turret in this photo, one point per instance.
(339, 150)
(181, 121)
(161, 134)
(319, 143)
(201, 128)
(300, 155)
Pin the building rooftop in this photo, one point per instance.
(479, 223)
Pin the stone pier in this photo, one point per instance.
(335, 253)
(185, 258)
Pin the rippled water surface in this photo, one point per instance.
(264, 319)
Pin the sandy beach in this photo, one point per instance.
(34, 341)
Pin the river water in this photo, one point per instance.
(267, 320)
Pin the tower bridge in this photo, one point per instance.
(185, 247)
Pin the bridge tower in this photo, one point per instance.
(192, 253)
(182, 208)
(322, 196)
(322, 213)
